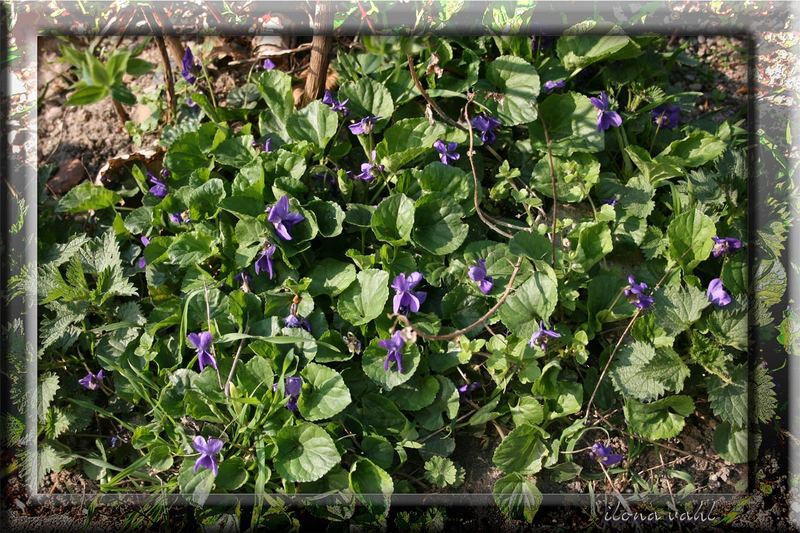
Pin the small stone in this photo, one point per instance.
(69, 174)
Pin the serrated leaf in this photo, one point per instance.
(640, 371)
(763, 394)
(728, 400)
(440, 471)
(679, 307)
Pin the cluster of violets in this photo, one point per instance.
(406, 299)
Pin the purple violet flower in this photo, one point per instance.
(447, 151)
(165, 173)
(264, 261)
(268, 64)
(635, 292)
(190, 102)
(717, 294)
(292, 387)
(486, 124)
(92, 381)
(244, 279)
(725, 245)
(606, 118)
(406, 299)
(666, 116)
(477, 273)
(369, 170)
(394, 345)
(188, 66)
(552, 85)
(605, 454)
(145, 242)
(159, 188)
(336, 105)
(465, 391)
(611, 201)
(283, 219)
(202, 342)
(179, 218)
(296, 321)
(363, 126)
(540, 337)
(208, 453)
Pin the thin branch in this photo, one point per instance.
(470, 155)
(437, 109)
(477, 323)
(162, 47)
(619, 342)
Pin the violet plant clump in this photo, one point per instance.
(338, 251)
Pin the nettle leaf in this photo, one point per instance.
(368, 479)
(364, 300)
(326, 394)
(315, 123)
(372, 363)
(331, 277)
(679, 307)
(517, 496)
(578, 48)
(645, 373)
(690, 240)
(709, 354)
(367, 97)
(522, 451)
(662, 419)
(305, 452)
(729, 399)
(728, 325)
(437, 225)
(571, 122)
(694, 150)
(393, 220)
(763, 394)
(731, 443)
(529, 303)
(574, 176)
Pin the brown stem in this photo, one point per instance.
(320, 54)
(477, 323)
(121, 113)
(435, 106)
(227, 387)
(168, 74)
(470, 156)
